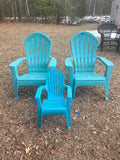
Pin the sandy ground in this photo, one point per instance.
(94, 135)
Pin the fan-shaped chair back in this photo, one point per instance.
(84, 47)
(55, 84)
(38, 47)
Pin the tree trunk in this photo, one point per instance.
(101, 8)
(94, 7)
(89, 7)
(14, 9)
(27, 9)
(18, 5)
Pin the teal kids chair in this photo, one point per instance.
(84, 47)
(55, 102)
(38, 47)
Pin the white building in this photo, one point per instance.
(115, 12)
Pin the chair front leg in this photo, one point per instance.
(107, 75)
(68, 118)
(102, 42)
(118, 45)
(70, 72)
(39, 105)
(73, 91)
(40, 118)
(14, 78)
(68, 114)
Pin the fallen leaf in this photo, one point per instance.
(111, 130)
(27, 150)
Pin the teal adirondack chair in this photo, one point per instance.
(84, 47)
(55, 102)
(38, 47)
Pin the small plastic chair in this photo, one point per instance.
(55, 103)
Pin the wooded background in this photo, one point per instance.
(52, 11)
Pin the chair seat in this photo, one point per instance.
(88, 76)
(111, 39)
(32, 78)
(54, 106)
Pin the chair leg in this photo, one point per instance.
(101, 46)
(107, 89)
(106, 92)
(117, 46)
(68, 118)
(14, 78)
(107, 75)
(40, 120)
(15, 90)
(73, 92)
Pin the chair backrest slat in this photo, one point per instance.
(84, 47)
(77, 48)
(38, 47)
(36, 50)
(86, 51)
(31, 57)
(55, 83)
(94, 54)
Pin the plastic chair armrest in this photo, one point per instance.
(38, 94)
(106, 62)
(17, 62)
(69, 66)
(69, 93)
(53, 62)
(68, 62)
(39, 91)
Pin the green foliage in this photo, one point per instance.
(51, 6)
(107, 6)
(1, 12)
(3, 6)
(102, 7)
(51, 10)
(42, 5)
(60, 10)
(81, 10)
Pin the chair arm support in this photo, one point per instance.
(69, 93)
(17, 62)
(69, 66)
(106, 62)
(13, 67)
(38, 94)
(68, 62)
(39, 91)
(53, 62)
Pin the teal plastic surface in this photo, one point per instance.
(38, 47)
(84, 48)
(55, 102)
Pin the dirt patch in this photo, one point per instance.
(93, 136)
